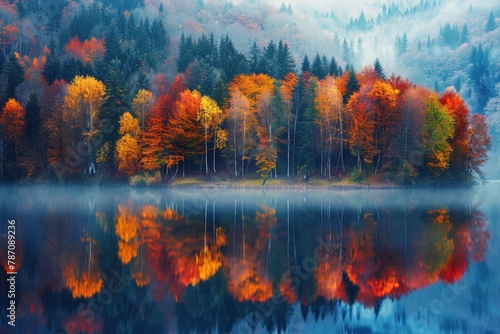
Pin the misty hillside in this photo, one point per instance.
(134, 45)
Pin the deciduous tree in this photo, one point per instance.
(211, 117)
(83, 100)
(127, 147)
(438, 130)
(383, 97)
(142, 104)
(479, 143)
(11, 128)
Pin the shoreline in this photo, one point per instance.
(194, 183)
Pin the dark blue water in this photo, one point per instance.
(91, 260)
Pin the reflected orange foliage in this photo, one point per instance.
(126, 223)
(141, 279)
(209, 260)
(83, 285)
(127, 250)
(246, 280)
(247, 285)
(127, 228)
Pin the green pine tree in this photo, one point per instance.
(15, 76)
(491, 24)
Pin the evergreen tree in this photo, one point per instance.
(203, 47)
(15, 76)
(214, 56)
(270, 52)
(334, 68)
(208, 78)
(186, 53)
(352, 86)
(142, 81)
(491, 25)
(33, 119)
(362, 24)
(306, 66)
(115, 83)
(231, 62)
(159, 35)
(379, 69)
(404, 43)
(324, 65)
(317, 67)
(52, 65)
(464, 36)
(284, 61)
(254, 58)
(72, 67)
(305, 153)
(346, 52)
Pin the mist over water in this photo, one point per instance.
(209, 259)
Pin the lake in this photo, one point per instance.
(120, 260)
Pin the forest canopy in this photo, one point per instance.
(111, 97)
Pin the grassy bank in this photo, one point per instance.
(256, 183)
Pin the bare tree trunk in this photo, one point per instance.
(244, 142)
(342, 143)
(288, 147)
(176, 170)
(206, 151)
(1, 156)
(215, 147)
(40, 158)
(378, 162)
(235, 147)
(294, 139)
(330, 144)
(322, 151)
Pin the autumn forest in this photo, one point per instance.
(112, 96)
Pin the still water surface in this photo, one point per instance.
(115, 260)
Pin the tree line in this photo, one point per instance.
(357, 124)
(94, 105)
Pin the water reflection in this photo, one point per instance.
(158, 261)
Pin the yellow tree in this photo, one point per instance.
(267, 132)
(252, 87)
(330, 119)
(237, 115)
(142, 104)
(11, 128)
(83, 100)
(211, 117)
(127, 147)
(287, 88)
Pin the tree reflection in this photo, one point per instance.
(222, 265)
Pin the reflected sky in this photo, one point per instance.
(112, 260)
